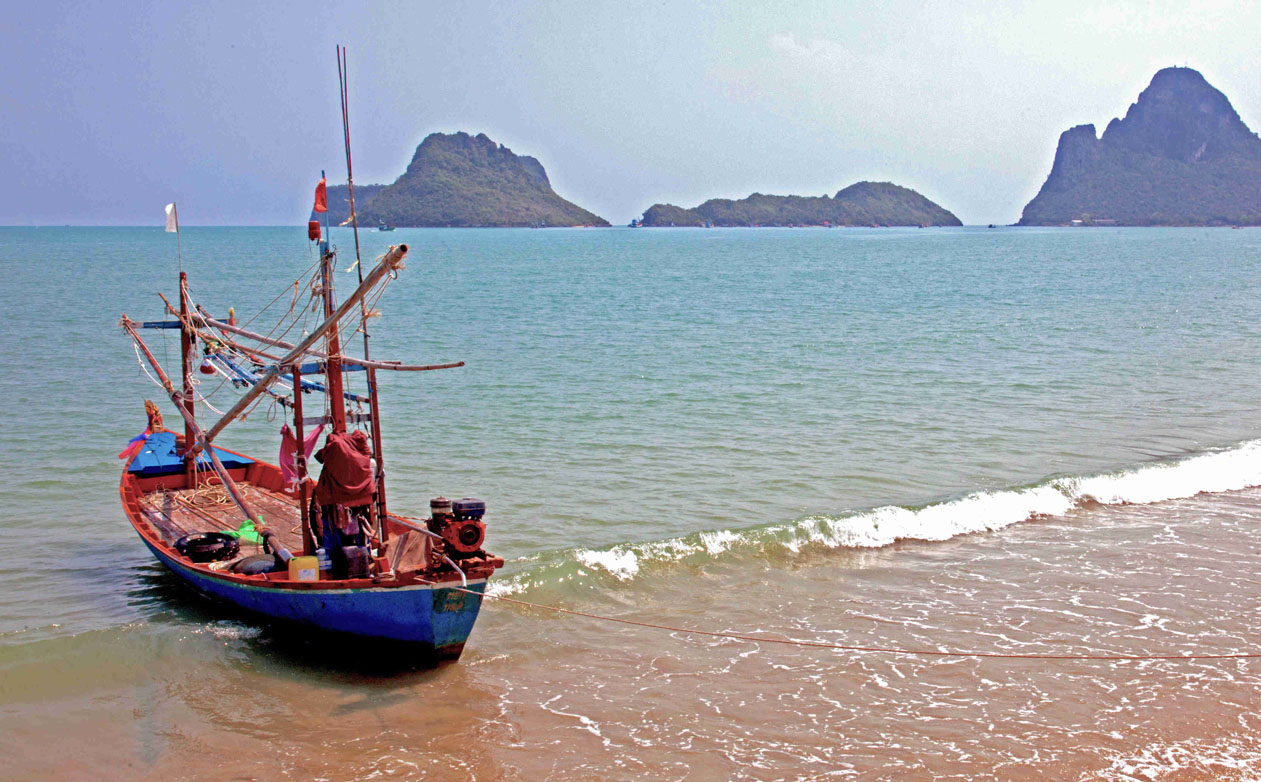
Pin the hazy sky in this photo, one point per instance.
(110, 110)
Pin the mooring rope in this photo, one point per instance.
(855, 648)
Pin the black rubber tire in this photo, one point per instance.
(208, 546)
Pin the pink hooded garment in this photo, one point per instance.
(289, 452)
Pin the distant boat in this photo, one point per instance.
(385, 227)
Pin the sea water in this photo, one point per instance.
(1017, 440)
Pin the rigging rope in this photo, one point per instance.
(296, 282)
(199, 397)
(314, 285)
(292, 306)
(206, 494)
(855, 648)
(140, 361)
(196, 394)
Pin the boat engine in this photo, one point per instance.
(460, 524)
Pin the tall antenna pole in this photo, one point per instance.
(378, 453)
(343, 76)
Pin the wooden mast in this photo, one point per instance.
(190, 409)
(332, 340)
(333, 378)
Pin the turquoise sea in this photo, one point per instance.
(806, 432)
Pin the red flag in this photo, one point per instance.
(321, 197)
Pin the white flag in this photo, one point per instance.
(172, 220)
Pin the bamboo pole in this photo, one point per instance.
(299, 463)
(186, 349)
(252, 352)
(346, 360)
(378, 451)
(390, 262)
(217, 465)
(207, 336)
(333, 379)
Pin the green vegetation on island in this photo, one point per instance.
(1181, 156)
(861, 204)
(458, 180)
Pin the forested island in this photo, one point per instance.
(863, 203)
(458, 180)
(1181, 156)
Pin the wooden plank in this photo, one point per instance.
(174, 514)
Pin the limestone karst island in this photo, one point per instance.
(1181, 156)
(461, 180)
(458, 180)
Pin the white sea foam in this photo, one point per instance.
(1237, 468)
(620, 561)
(978, 512)
(1230, 757)
(717, 542)
(232, 631)
(1228, 470)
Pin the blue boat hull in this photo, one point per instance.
(438, 620)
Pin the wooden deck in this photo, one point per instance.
(174, 513)
(180, 512)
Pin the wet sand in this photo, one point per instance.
(539, 696)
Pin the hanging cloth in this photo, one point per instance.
(347, 475)
(289, 452)
(135, 445)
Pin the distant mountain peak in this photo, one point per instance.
(1181, 116)
(1180, 156)
(458, 179)
(476, 150)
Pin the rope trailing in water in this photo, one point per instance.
(876, 649)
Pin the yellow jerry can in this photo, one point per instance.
(304, 569)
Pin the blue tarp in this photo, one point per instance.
(158, 457)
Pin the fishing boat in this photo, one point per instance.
(385, 227)
(324, 554)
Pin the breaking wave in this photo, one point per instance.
(1230, 469)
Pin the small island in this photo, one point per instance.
(860, 204)
(458, 180)
(1181, 156)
